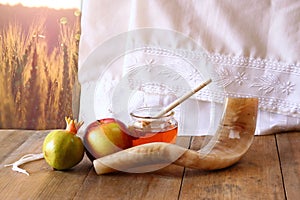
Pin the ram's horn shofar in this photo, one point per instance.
(231, 141)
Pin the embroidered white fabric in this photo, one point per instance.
(250, 47)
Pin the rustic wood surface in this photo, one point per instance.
(269, 170)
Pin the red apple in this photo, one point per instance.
(106, 136)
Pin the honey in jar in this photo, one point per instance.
(147, 128)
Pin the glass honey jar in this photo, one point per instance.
(146, 127)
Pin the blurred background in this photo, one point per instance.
(38, 63)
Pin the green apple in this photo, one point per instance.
(106, 136)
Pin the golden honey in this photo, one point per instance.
(147, 128)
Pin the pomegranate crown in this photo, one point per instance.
(72, 125)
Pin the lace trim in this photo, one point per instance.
(254, 63)
(275, 83)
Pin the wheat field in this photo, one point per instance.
(38, 88)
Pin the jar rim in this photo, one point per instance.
(148, 108)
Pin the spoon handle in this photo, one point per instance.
(183, 98)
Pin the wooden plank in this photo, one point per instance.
(43, 182)
(162, 184)
(256, 176)
(10, 140)
(289, 151)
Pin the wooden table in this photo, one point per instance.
(269, 170)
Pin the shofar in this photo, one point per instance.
(231, 141)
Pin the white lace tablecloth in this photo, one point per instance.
(251, 49)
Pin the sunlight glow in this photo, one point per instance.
(56, 4)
